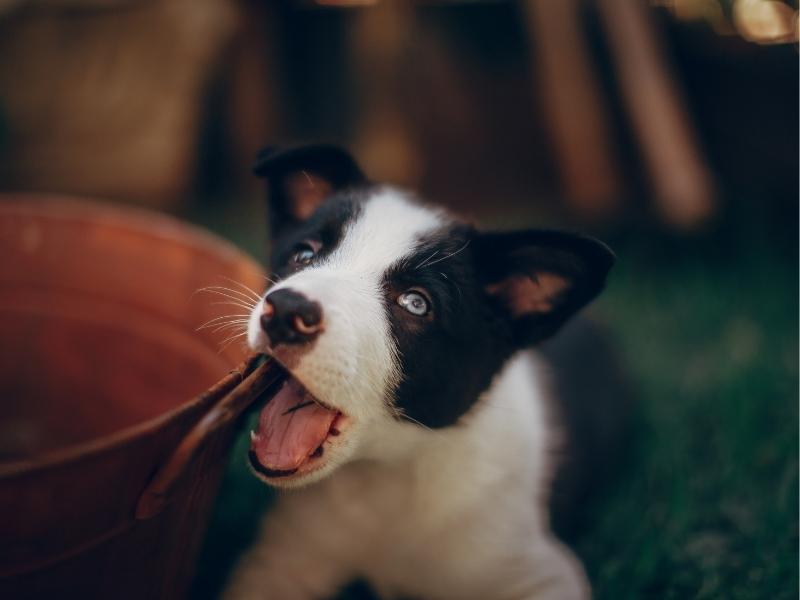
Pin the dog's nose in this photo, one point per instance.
(290, 318)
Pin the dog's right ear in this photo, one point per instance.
(301, 178)
(539, 279)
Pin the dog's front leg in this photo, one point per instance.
(289, 562)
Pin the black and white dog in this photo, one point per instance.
(413, 422)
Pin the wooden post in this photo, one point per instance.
(683, 184)
(574, 109)
(383, 142)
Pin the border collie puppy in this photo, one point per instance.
(412, 426)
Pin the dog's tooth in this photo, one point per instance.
(253, 436)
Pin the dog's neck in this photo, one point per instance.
(405, 465)
(406, 443)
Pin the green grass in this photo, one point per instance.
(707, 505)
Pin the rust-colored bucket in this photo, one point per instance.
(110, 449)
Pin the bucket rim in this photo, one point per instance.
(153, 224)
(133, 218)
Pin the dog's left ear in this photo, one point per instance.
(301, 178)
(539, 279)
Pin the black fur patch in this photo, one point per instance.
(326, 226)
(449, 356)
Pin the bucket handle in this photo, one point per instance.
(252, 382)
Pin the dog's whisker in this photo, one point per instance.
(212, 322)
(246, 288)
(243, 286)
(221, 290)
(240, 294)
(226, 329)
(452, 254)
(243, 319)
(424, 262)
(221, 323)
(234, 302)
(436, 433)
(455, 285)
(229, 316)
(224, 291)
(403, 415)
(308, 178)
(234, 336)
(228, 292)
(232, 322)
(228, 341)
(231, 303)
(231, 325)
(221, 350)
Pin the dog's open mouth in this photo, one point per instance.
(293, 429)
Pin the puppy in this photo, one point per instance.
(412, 426)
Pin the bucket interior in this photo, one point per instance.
(69, 376)
(98, 322)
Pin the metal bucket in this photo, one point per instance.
(116, 414)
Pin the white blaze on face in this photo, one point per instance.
(353, 364)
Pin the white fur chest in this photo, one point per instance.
(446, 521)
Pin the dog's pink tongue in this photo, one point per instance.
(288, 432)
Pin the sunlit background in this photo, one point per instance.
(669, 129)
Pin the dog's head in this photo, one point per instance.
(391, 317)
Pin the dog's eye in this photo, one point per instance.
(414, 302)
(304, 253)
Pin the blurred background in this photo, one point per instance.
(667, 128)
